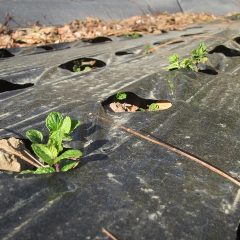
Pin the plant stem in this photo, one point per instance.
(57, 167)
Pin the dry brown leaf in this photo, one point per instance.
(93, 27)
(164, 105)
(12, 155)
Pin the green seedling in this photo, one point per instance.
(52, 156)
(153, 107)
(121, 96)
(197, 56)
(78, 67)
(133, 35)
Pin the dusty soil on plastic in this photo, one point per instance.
(94, 27)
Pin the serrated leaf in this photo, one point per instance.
(66, 125)
(54, 121)
(34, 136)
(56, 139)
(54, 151)
(69, 154)
(44, 170)
(74, 125)
(67, 165)
(173, 58)
(43, 152)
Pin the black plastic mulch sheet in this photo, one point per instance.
(127, 184)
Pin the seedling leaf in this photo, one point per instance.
(66, 125)
(56, 139)
(44, 170)
(153, 107)
(34, 136)
(87, 69)
(43, 152)
(54, 121)
(173, 58)
(67, 165)
(72, 153)
(121, 96)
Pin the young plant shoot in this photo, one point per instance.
(121, 96)
(52, 155)
(153, 107)
(78, 67)
(197, 56)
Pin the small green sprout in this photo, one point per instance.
(133, 35)
(78, 67)
(51, 155)
(153, 107)
(198, 55)
(121, 96)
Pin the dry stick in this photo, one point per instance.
(178, 151)
(33, 158)
(108, 234)
(26, 159)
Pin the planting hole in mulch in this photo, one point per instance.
(192, 34)
(8, 86)
(237, 40)
(46, 47)
(168, 42)
(130, 102)
(97, 40)
(82, 65)
(122, 53)
(5, 53)
(207, 69)
(228, 52)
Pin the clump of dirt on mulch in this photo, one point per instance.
(94, 27)
(13, 155)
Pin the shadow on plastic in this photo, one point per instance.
(192, 34)
(167, 42)
(122, 53)
(228, 52)
(237, 40)
(5, 53)
(98, 40)
(6, 86)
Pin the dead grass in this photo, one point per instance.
(93, 27)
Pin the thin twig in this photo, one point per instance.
(33, 158)
(108, 234)
(26, 159)
(179, 152)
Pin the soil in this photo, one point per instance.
(13, 155)
(94, 27)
